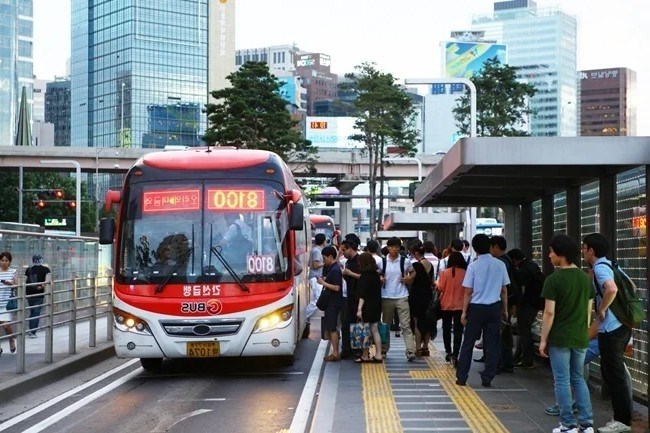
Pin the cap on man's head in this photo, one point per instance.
(37, 259)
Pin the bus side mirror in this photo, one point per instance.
(106, 231)
(296, 216)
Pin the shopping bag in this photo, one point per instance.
(384, 332)
(433, 310)
(360, 335)
(12, 304)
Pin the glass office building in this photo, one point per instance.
(542, 43)
(16, 62)
(139, 72)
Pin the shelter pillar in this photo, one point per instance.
(573, 215)
(512, 225)
(607, 211)
(526, 230)
(547, 232)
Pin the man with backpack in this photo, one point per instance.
(530, 280)
(498, 247)
(38, 276)
(613, 334)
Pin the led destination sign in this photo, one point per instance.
(190, 199)
(171, 200)
(235, 199)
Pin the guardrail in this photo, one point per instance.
(66, 302)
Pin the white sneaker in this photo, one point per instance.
(32, 335)
(614, 427)
(587, 429)
(563, 429)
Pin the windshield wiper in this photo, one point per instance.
(216, 251)
(173, 270)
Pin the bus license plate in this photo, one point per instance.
(203, 349)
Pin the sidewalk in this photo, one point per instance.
(401, 396)
(38, 372)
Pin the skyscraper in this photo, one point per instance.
(542, 43)
(607, 102)
(140, 69)
(16, 62)
(57, 109)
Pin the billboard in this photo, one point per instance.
(332, 132)
(463, 59)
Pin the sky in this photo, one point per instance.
(401, 36)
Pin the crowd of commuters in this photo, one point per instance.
(480, 297)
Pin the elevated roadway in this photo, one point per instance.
(112, 160)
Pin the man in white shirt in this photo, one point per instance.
(394, 294)
(315, 271)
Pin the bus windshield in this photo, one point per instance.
(203, 232)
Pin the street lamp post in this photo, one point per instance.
(471, 226)
(78, 188)
(561, 120)
(122, 117)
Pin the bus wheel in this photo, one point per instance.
(151, 364)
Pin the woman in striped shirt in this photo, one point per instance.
(7, 281)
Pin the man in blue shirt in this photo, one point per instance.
(486, 301)
(612, 334)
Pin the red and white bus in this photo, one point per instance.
(325, 224)
(185, 287)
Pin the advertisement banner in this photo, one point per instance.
(463, 59)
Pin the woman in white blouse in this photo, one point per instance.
(7, 281)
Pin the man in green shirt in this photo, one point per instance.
(568, 295)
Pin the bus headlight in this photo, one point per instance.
(276, 320)
(126, 322)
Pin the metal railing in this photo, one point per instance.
(66, 303)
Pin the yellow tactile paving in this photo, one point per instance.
(477, 415)
(380, 408)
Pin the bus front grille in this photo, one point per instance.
(201, 327)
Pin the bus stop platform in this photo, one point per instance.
(421, 396)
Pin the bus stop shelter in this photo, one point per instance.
(575, 185)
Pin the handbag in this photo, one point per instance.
(12, 304)
(383, 332)
(360, 335)
(433, 310)
(323, 300)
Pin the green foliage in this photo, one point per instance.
(251, 114)
(54, 208)
(501, 102)
(385, 117)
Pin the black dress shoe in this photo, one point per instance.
(481, 359)
(460, 382)
(486, 384)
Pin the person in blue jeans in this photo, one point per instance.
(568, 298)
(38, 278)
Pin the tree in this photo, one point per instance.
(251, 114)
(501, 102)
(385, 117)
(53, 208)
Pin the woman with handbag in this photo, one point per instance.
(420, 295)
(369, 310)
(450, 285)
(7, 283)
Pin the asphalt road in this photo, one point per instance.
(216, 395)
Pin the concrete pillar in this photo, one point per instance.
(547, 232)
(512, 225)
(573, 213)
(607, 211)
(526, 230)
(345, 217)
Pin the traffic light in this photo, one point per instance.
(40, 204)
(72, 204)
(57, 194)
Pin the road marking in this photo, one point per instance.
(300, 418)
(25, 415)
(378, 400)
(322, 421)
(183, 418)
(84, 401)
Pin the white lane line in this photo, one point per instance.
(268, 373)
(25, 415)
(183, 418)
(299, 422)
(81, 403)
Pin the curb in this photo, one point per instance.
(25, 383)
